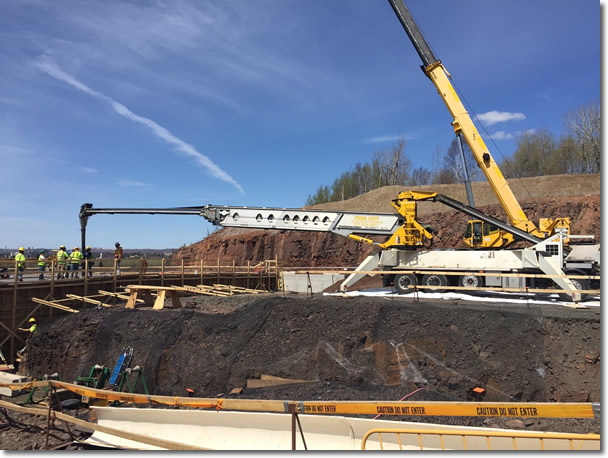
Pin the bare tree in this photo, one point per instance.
(394, 163)
(584, 125)
(420, 176)
(452, 162)
(533, 157)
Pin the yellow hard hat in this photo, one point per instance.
(88, 248)
(76, 248)
(62, 246)
(31, 320)
(21, 249)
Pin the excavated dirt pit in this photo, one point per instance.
(360, 348)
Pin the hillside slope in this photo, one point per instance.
(573, 196)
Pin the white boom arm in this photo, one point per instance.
(342, 223)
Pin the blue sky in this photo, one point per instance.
(235, 102)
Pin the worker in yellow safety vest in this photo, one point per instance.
(41, 264)
(75, 260)
(20, 261)
(32, 329)
(62, 258)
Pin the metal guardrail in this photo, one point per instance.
(524, 440)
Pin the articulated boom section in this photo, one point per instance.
(342, 223)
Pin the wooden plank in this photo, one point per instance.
(118, 295)
(52, 304)
(160, 300)
(88, 300)
(237, 289)
(255, 383)
(149, 287)
(132, 300)
(206, 291)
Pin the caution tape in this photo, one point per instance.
(454, 409)
(399, 408)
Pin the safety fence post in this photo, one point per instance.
(202, 269)
(218, 268)
(86, 276)
(162, 272)
(182, 271)
(276, 271)
(248, 270)
(51, 295)
(141, 270)
(114, 282)
(14, 313)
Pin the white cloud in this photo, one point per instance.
(385, 138)
(494, 117)
(126, 183)
(501, 135)
(53, 70)
(88, 170)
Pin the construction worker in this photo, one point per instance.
(118, 255)
(20, 260)
(41, 264)
(75, 260)
(31, 330)
(89, 258)
(62, 259)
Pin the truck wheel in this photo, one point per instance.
(404, 283)
(579, 283)
(434, 280)
(470, 281)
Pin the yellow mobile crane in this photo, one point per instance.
(479, 234)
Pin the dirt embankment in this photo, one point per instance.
(576, 197)
(362, 348)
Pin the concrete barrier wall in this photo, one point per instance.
(298, 283)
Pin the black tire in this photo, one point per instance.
(470, 281)
(579, 283)
(404, 283)
(434, 280)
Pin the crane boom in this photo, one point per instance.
(463, 124)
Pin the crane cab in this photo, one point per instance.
(481, 234)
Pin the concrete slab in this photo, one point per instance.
(298, 283)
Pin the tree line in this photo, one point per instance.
(537, 153)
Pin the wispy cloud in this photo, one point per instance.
(179, 145)
(88, 170)
(501, 135)
(385, 138)
(494, 117)
(126, 183)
